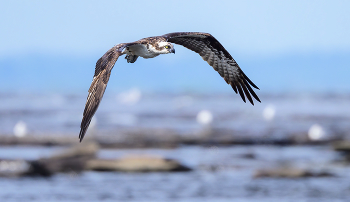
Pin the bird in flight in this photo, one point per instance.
(204, 44)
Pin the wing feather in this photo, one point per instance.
(219, 58)
(98, 86)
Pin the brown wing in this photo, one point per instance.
(217, 56)
(98, 86)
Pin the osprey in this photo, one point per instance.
(202, 43)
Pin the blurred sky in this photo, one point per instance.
(272, 41)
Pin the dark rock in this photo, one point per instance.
(247, 156)
(217, 167)
(38, 169)
(136, 164)
(71, 159)
(289, 173)
(342, 146)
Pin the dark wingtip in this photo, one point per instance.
(251, 83)
(251, 102)
(251, 91)
(250, 99)
(234, 87)
(81, 135)
(239, 88)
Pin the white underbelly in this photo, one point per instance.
(141, 51)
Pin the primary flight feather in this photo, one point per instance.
(202, 43)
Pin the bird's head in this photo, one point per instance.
(166, 47)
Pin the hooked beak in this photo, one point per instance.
(172, 50)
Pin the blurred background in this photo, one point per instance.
(170, 128)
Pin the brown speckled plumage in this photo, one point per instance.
(217, 56)
(204, 44)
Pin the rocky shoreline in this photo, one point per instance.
(78, 157)
(82, 157)
(159, 138)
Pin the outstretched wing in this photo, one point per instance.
(98, 86)
(217, 56)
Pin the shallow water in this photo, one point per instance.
(292, 114)
(220, 174)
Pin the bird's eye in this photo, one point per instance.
(166, 47)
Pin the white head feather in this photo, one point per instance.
(161, 45)
(164, 43)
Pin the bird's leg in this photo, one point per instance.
(131, 58)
